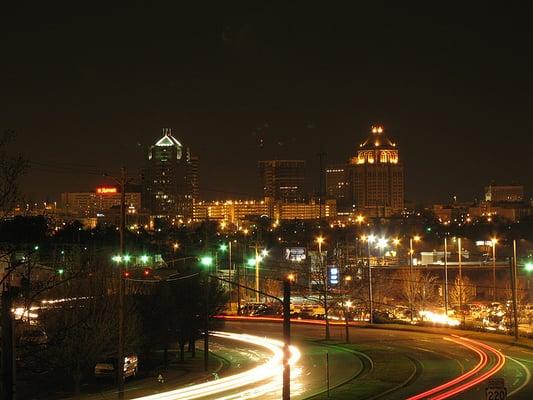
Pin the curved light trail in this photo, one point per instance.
(266, 377)
(462, 382)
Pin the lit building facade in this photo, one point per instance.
(504, 193)
(90, 204)
(283, 180)
(168, 191)
(376, 176)
(194, 176)
(231, 211)
(237, 211)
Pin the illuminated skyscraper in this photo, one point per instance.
(337, 185)
(376, 176)
(167, 186)
(283, 180)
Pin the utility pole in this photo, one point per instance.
(286, 392)
(411, 294)
(460, 253)
(370, 295)
(513, 287)
(122, 229)
(256, 273)
(8, 343)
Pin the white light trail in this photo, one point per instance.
(270, 373)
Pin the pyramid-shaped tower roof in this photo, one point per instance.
(378, 139)
(168, 139)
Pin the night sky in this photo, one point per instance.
(91, 87)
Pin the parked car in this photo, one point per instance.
(107, 368)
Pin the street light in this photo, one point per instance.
(529, 266)
(417, 239)
(369, 240)
(206, 261)
(320, 240)
(494, 242)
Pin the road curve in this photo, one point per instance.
(402, 365)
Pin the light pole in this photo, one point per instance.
(446, 276)
(347, 305)
(415, 238)
(494, 241)
(459, 259)
(323, 269)
(369, 240)
(206, 261)
(514, 290)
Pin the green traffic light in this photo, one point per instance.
(529, 266)
(127, 258)
(61, 271)
(206, 261)
(251, 262)
(36, 248)
(223, 247)
(144, 258)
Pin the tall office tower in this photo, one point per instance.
(337, 185)
(376, 176)
(167, 190)
(194, 176)
(283, 180)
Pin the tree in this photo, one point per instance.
(82, 329)
(462, 291)
(12, 168)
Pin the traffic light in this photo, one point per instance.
(35, 248)
(144, 258)
(60, 271)
(147, 271)
(529, 266)
(251, 262)
(126, 274)
(223, 247)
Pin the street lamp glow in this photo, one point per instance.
(264, 253)
(176, 246)
(360, 219)
(416, 238)
(206, 261)
(116, 259)
(382, 243)
(320, 239)
(371, 238)
(494, 241)
(529, 266)
(144, 258)
(396, 241)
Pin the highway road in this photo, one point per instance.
(396, 364)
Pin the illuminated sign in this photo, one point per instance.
(106, 190)
(295, 254)
(333, 275)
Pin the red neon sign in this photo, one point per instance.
(106, 190)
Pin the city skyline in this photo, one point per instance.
(245, 83)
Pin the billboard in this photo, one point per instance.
(333, 274)
(106, 190)
(296, 254)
